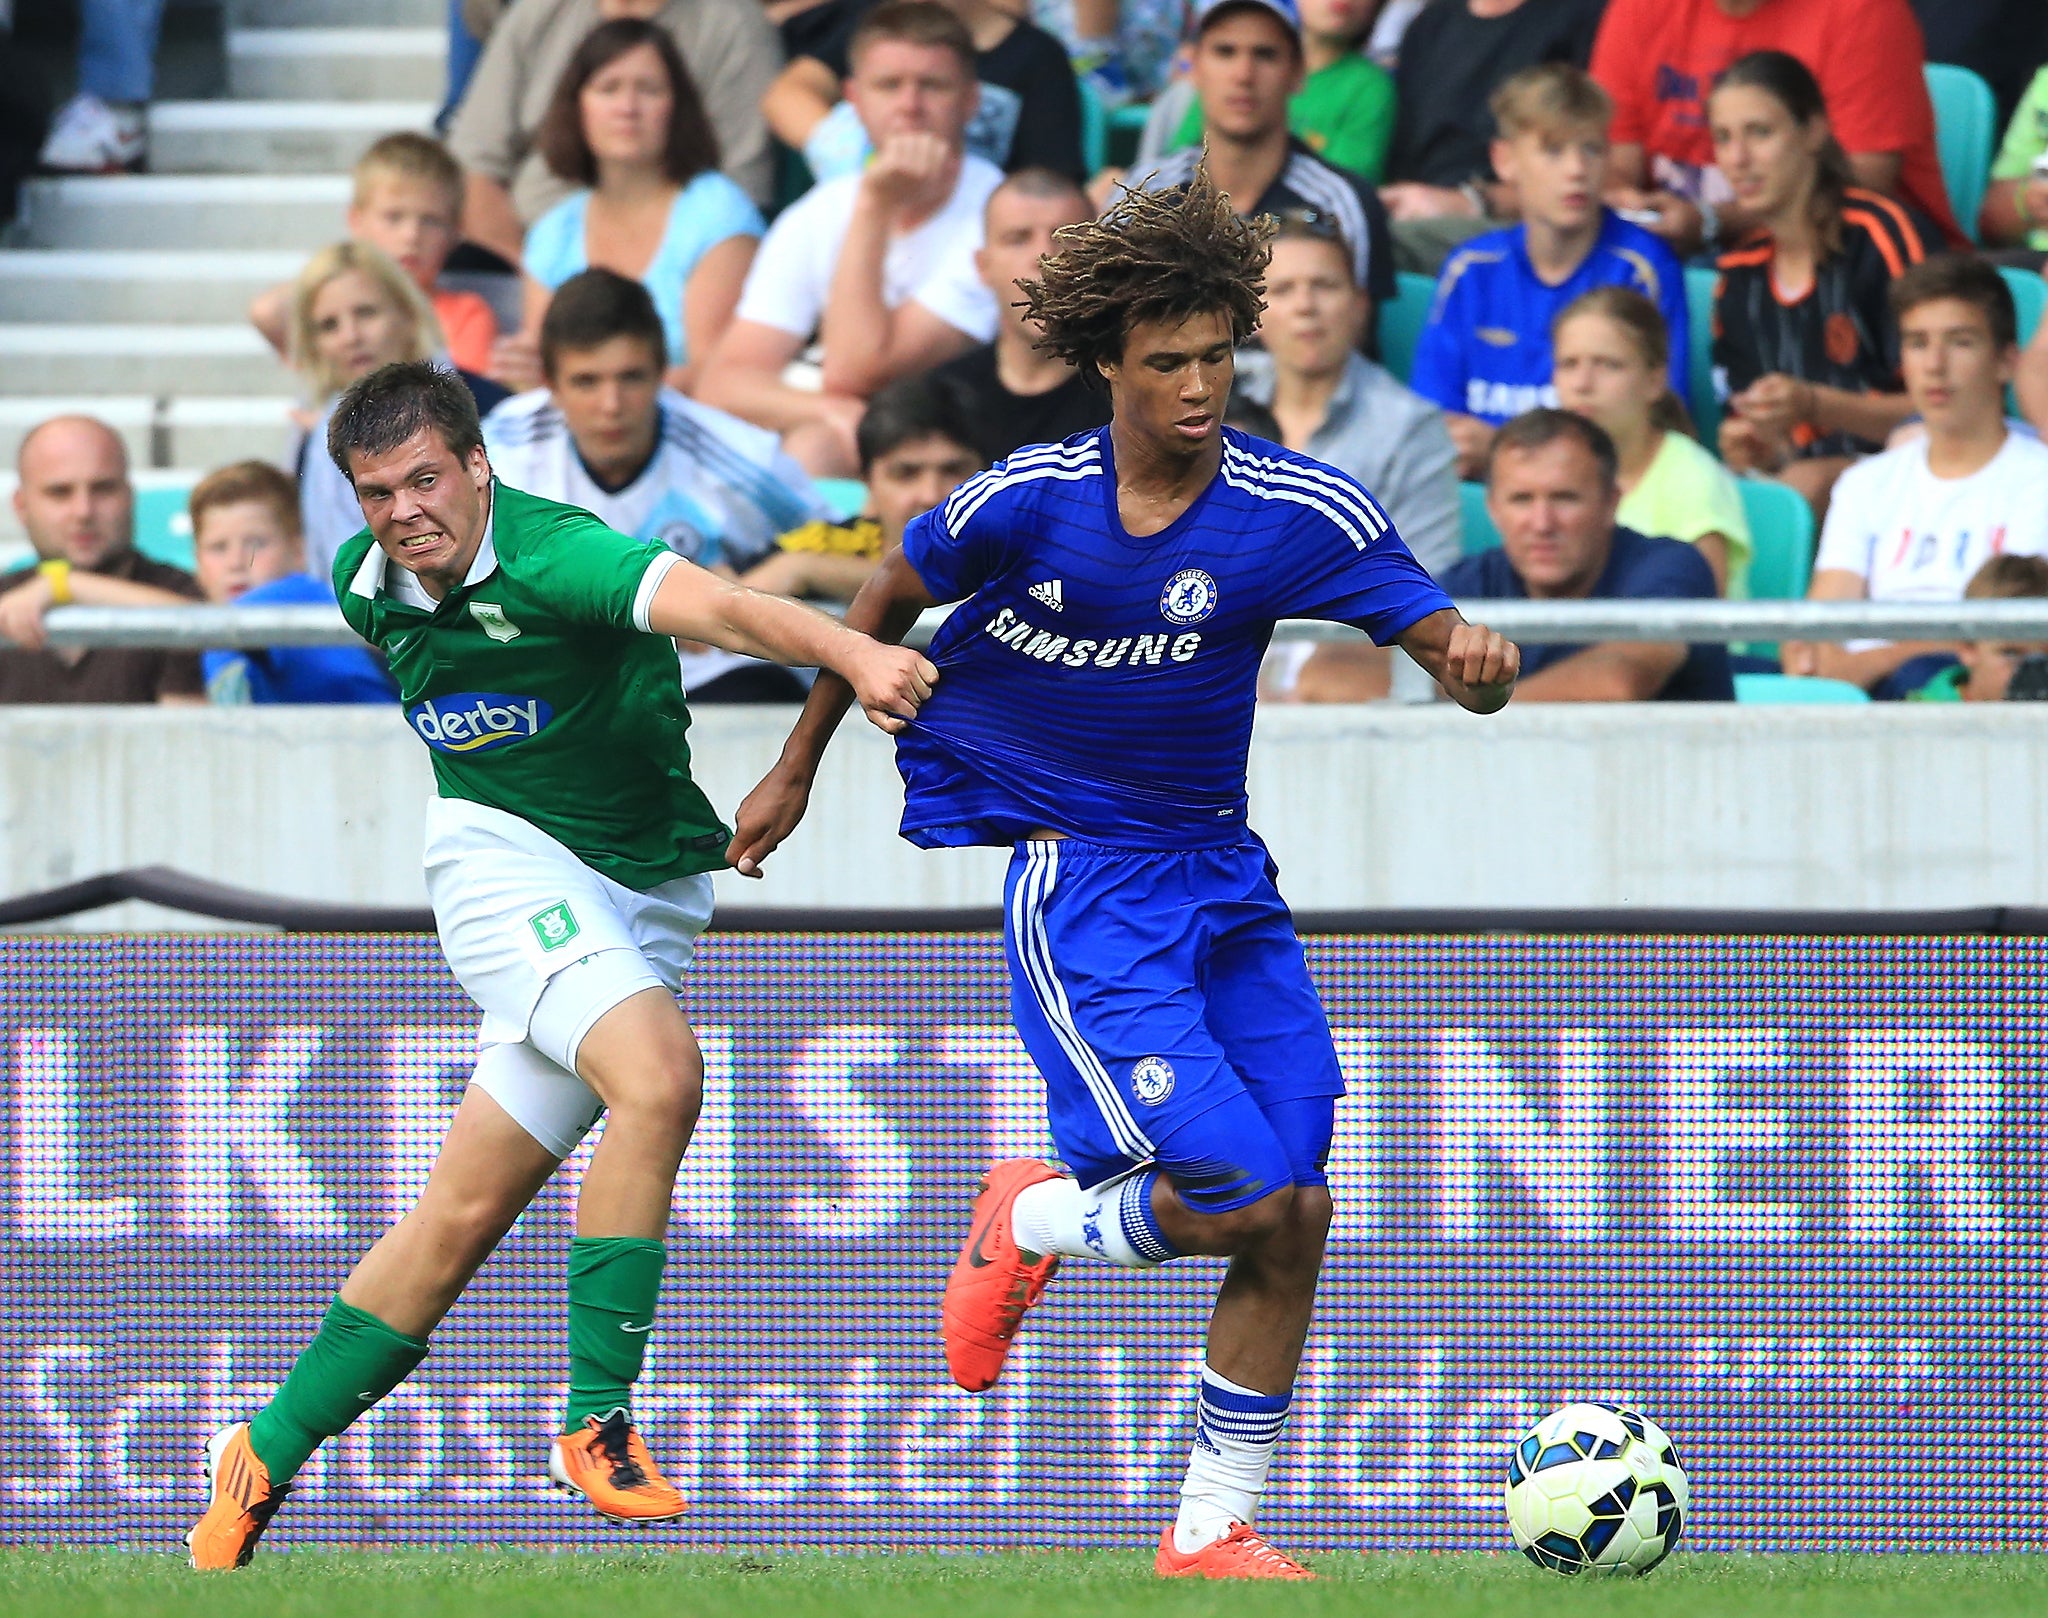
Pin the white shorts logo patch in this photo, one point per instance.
(1152, 1079)
(1189, 597)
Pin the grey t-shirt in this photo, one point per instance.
(728, 45)
(1393, 441)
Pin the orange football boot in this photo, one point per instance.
(608, 1464)
(992, 1283)
(1243, 1553)
(239, 1502)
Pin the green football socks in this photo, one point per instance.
(351, 1363)
(614, 1286)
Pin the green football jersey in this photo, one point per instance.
(539, 694)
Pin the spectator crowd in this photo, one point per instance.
(739, 276)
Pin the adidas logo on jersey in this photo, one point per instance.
(1049, 593)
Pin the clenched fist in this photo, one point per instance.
(889, 682)
(1480, 667)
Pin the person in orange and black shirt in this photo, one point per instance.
(1805, 349)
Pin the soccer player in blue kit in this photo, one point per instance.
(1094, 710)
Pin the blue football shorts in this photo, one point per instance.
(1165, 1000)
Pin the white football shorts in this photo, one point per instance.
(546, 946)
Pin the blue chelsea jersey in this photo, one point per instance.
(1102, 685)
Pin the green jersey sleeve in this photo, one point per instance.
(596, 575)
(2026, 137)
(356, 610)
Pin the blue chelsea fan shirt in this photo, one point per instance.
(1486, 349)
(1102, 685)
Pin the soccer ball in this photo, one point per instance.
(1596, 1487)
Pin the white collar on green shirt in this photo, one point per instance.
(406, 589)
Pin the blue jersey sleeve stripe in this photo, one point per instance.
(1361, 521)
(1053, 461)
(1345, 524)
(1311, 474)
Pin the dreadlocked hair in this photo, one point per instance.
(1154, 255)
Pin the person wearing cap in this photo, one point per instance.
(1247, 63)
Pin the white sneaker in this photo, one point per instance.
(91, 136)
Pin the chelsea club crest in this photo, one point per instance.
(1189, 597)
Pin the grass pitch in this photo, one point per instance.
(764, 1584)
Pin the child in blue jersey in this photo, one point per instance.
(1094, 711)
(1484, 356)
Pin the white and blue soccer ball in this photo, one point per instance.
(1596, 1487)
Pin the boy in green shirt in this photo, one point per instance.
(568, 852)
(1344, 110)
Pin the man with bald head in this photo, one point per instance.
(1021, 394)
(78, 507)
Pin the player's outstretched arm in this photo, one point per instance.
(888, 604)
(889, 682)
(1476, 665)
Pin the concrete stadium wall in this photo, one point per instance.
(1364, 807)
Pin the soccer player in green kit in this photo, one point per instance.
(568, 855)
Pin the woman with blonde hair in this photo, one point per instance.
(1610, 353)
(353, 310)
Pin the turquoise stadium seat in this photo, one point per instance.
(1126, 129)
(846, 496)
(1402, 320)
(1480, 534)
(1794, 688)
(163, 529)
(1781, 526)
(1965, 133)
(1700, 397)
(1094, 127)
(2030, 297)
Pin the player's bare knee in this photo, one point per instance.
(1239, 1230)
(665, 1092)
(1313, 1212)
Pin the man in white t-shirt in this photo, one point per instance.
(1915, 523)
(878, 266)
(604, 434)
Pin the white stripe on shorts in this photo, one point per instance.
(1034, 951)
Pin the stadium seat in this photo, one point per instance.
(1965, 132)
(1127, 129)
(1402, 320)
(846, 496)
(1795, 688)
(1700, 397)
(163, 529)
(2030, 297)
(1094, 127)
(1781, 528)
(1480, 534)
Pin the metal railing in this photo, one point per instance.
(1538, 622)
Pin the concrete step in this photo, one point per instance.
(205, 433)
(69, 360)
(273, 137)
(112, 285)
(338, 64)
(172, 211)
(338, 14)
(133, 417)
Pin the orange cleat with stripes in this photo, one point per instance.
(1243, 1553)
(608, 1464)
(993, 1283)
(240, 1502)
